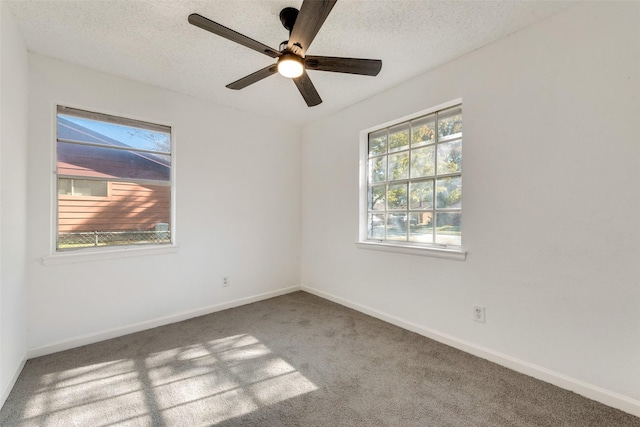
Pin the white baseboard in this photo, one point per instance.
(148, 324)
(590, 391)
(9, 386)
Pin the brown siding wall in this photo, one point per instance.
(128, 207)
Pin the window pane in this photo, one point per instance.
(422, 162)
(378, 169)
(64, 187)
(134, 214)
(84, 187)
(397, 226)
(398, 166)
(399, 137)
(376, 226)
(421, 194)
(112, 134)
(377, 197)
(102, 162)
(377, 143)
(397, 198)
(421, 227)
(450, 123)
(423, 131)
(450, 157)
(448, 228)
(449, 193)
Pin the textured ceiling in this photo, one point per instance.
(151, 41)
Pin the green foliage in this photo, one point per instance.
(398, 166)
(422, 162)
(378, 169)
(397, 198)
(421, 194)
(448, 192)
(423, 131)
(377, 144)
(449, 122)
(399, 140)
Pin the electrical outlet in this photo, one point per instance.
(225, 281)
(478, 314)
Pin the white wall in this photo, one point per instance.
(13, 202)
(551, 206)
(238, 212)
(550, 213)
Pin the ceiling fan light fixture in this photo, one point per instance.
(290, 65)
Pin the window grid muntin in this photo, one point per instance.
(410, 148)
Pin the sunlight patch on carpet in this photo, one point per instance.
(223, 379)
(201, 383)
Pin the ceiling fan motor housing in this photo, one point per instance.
(288, 17)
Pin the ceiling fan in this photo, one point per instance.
(292, 61)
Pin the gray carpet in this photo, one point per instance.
(295, 360)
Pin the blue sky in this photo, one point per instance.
(134, 137)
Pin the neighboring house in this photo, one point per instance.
(101, 189)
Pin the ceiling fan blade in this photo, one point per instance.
(365, 67)
(310, 18)
(253, 77)
(307, 90)
(229, 34)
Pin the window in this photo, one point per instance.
(82, 188)
(413, 181)
(113, 181)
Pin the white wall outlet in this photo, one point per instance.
(225, 281)
(478, 314)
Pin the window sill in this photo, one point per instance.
(414, 250)
(105, 254)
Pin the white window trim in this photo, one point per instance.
(56, 257)
(100, 254)
(413, 250)
(399, 247)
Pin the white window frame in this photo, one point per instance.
(56, 257)
(405, 247)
